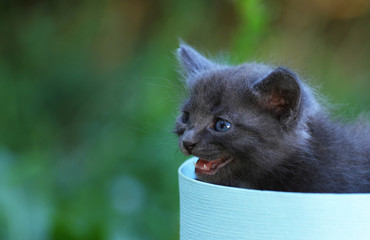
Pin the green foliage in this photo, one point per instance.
(89, 96)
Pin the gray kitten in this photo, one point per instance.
(261, 127)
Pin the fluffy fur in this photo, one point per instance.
(280, 137)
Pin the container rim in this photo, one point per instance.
(186, 172)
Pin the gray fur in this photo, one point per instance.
(280, 139)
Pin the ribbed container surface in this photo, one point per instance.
(209, 211)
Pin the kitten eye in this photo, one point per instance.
(222, 125)
(185, 117)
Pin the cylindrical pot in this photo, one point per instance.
(209, 211)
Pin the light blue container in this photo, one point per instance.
(213, 212)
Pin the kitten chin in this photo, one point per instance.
(269, 123)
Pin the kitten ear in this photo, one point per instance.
(279, 93)
(192, 61)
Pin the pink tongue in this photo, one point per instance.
(204, 166)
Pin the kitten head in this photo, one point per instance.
(241, 121)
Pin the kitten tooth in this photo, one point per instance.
(204, 166)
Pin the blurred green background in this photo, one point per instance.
(89, 93)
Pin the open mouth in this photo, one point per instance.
(203, 166)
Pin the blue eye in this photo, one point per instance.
(222, 125)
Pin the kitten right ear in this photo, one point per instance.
(192, 61)
(280, 93)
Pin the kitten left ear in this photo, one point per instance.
(192, 61)
(279, 93)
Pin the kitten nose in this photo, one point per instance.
(189, 146)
